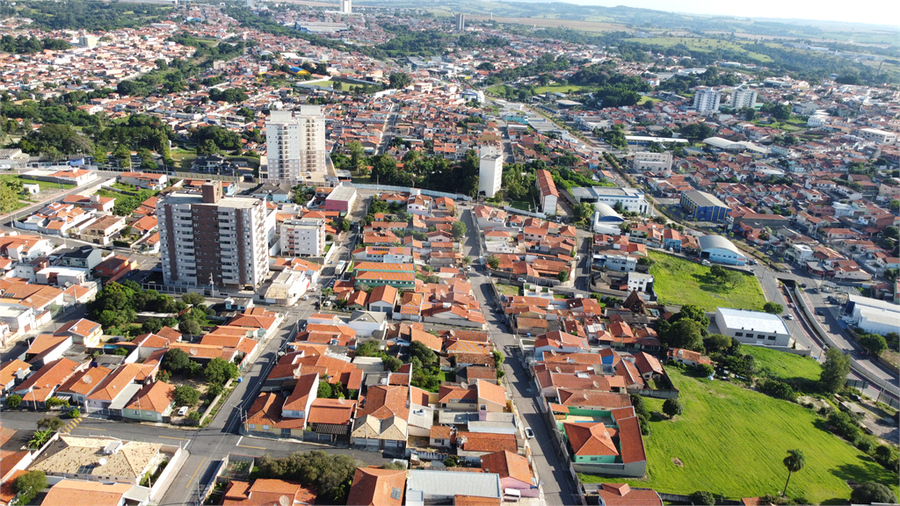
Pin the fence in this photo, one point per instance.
(524, 213)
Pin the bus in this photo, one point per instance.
(340, 268)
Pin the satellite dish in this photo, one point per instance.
(102, 462)
(193, 352)
(87, 379)
(285, 501)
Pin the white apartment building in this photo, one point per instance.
(206, 239)
(303, 237)
(654, 162)
(706, 100)
(490, 171)
(295, 144)
(743, 97)
(878, 136)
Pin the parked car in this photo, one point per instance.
(789, 316)
(529, 433)
(182, 410)
(521, 280)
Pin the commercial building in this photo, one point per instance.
(206, 239)
(716, 248)
(295, 144)
(490, 171)
(303, 237)
(606, 219)
(702, 206)
(743, 97)
(630, 199)
(341, 199)
(547, 189)
(753, 327)
(872, 315)
(878, 136)
(706, 100)
(654, 162)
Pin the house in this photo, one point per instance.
(102, 230)
(46, 348)
(83, 383)
(83, 257)
(151, 403)
(264, 417)
(382, 419)
(11, 373)
(559, 342)
(144, 180)
(480, 396)
(513, 470)
(686, 357)
(427, 486)
(99, 459)
(114, 392)
(377, 487)
(90, 493)
(265, 492)
(83, 331)
(617, 449)
(382, 299)
(43, 384)
(621, 494)
(331, 419)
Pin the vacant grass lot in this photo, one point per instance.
(678, 281)
(45, 185)
(785, 365)
(731, 441)
(701, 44)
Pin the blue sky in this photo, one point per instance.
(880, 12)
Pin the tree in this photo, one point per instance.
(732, 278)
(185, 395)
(219, 370)
(717, 271)
(834, 370)
(793, 462)
(717, 342)
(693, 312)
(190, 327)
(684, 333)
(493, 262)
(177, 361)
(425, 354)
(773, 308)
(703, 497)
(28, 485)
(13, 401)
(873, 343)
(705, 370)
(672, 408)
(325, 391)
(871, 492)
(193, 299)
(399, 80)
(75, 413)
(53, 423)
(458, 229)
(563, 276)
(9, 197)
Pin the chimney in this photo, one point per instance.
(212, 192)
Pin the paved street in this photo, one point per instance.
(557, 485)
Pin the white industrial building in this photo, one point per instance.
(753, 327)
(490, 171)
(716, 248)
(706, 100)
(872, 315)
(295, 144)
(606, 219)
(878, 136)
(654, 162)
(631, 200)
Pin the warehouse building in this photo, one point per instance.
(702, 206)
(753, 327)
(718, 249)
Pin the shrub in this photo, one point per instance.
(29, 485)
(645, 425)
(13, 401)
(672, 407)
(871, 492)
(186, 395)
(778, 389)
(194, 415)
(705, 370)
(75, 413)
(865, 444)
(52, 423)
(703, 497)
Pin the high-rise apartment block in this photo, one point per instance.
(706, 100)
(303, 237)
(207, 239)
(742, 98)
(460, 22)
(346, 7)
(490, 171)
(295, 144)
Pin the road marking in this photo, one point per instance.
(195, 473)
(239, 441)
(178, 438)
(254, 447)
(91, 428)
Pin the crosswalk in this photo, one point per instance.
(70, 426)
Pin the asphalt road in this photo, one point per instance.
(557, 484)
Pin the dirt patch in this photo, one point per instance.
(817, 403)
(677, 462)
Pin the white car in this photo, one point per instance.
(182, 410)
(529, 433)
(789, 317)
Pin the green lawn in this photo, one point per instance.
(45, 185)
(645, 98)
(731, 441)
(508, 290)
(679, 281)
(706, 44)
(559, 88)
(782, 364)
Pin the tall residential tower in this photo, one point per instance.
(295, 144)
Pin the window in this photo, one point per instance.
(771, 338)
(252, 425)
(738, 334)
(265, 427)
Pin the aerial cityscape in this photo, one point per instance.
(461, 252)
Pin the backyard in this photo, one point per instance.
(731, 441)
(679, 281)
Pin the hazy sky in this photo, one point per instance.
(881, 12)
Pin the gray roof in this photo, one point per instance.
(718, 242)
(704, 199)
(446, 484)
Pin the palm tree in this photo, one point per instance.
(793, 462)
